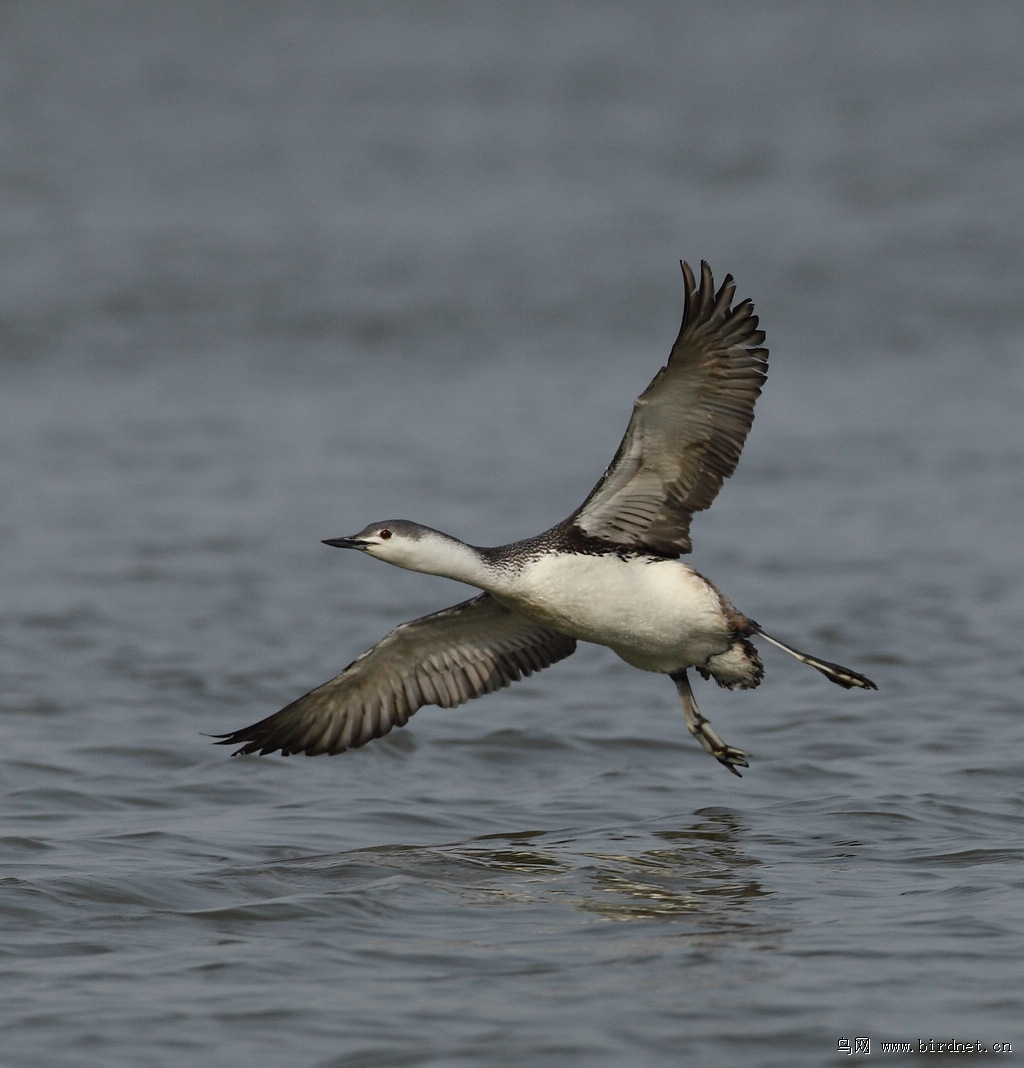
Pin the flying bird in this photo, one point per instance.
(610, 573)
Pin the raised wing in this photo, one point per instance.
(442, 659)
(688, 427)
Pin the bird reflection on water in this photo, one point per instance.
(694, 870)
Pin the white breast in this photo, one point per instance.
(658, 615)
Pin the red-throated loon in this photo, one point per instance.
(608, 574)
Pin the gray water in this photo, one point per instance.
(270, 272)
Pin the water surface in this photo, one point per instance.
(272, 273)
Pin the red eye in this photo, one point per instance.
(385, 534)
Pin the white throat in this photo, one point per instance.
(434, 553)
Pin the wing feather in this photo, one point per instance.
(445, 658)
(688, 427)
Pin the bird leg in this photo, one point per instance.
(701, 729)
(841, 676)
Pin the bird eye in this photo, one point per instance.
(384, 534)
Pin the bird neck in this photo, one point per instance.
(445, 556)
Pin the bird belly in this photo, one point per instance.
(656, 614)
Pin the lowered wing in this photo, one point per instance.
(442, 659)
